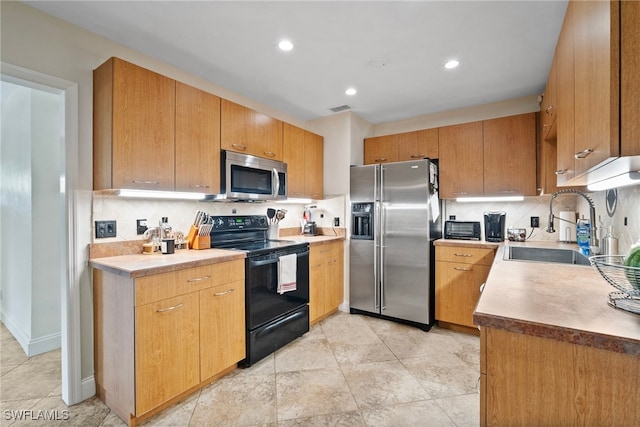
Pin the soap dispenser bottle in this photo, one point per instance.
(610, 243)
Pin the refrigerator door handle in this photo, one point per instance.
(382, 231)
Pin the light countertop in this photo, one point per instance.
(559, 301)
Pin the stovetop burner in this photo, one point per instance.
(249, 234)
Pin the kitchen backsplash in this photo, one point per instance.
(518, 214)
(627, 205)
(182, 213)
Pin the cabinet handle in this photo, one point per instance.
(269, 153)
(219, 294)
(418, 156)
(239, 147)
(162, 310)
(464, 255)
(584, 153)
(381, 160)
(462, 269)
(507, 191)
(561, 171)
(200, 186)
(316, 266)
(460, 193)
(136, 181)
(549, 109)
(199, 279)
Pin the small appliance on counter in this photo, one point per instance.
(310, 229)
(462, 230)
(494, 226)
(567, 226)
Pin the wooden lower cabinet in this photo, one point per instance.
(159, 338)
(460, 271)
(529, 380)
(326, 279)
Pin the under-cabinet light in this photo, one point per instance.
(491, 199)
(622, 180)
(149, 194)
(294, 200)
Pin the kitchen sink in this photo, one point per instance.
(562, 256)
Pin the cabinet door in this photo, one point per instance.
(509, 156)
(197, 140)
(222, 328)
(167, 350)
(316, 284)
(137, 133)
(461, 160)
(565, 168)
(630, 85)
(381, 149)
(335, 277)
(596, 56)
(313, 165)
(247, 131)
(293, 149)
(458, 290)
(549, 104)
(418, 145)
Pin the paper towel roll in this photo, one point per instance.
(567, 226)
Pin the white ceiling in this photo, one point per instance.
(391, 51)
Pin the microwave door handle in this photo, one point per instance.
(276, 178)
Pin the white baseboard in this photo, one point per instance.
(17, 332)
(31, 347)
(88, 387)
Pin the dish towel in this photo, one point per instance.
(287, 269)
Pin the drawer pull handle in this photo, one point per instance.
(199, 279)
(583, 154)
(462, 269)
(384, 159)
(464, 255)
(269, 153)
(137, 181)
(162, 310)
(239, 147)
(418, 156)
(219, 294)
(200, 186)
(561, 171)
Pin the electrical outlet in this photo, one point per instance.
(452, 217)
(105, 229)
(141, 226)
(336, 222)
(535, 221)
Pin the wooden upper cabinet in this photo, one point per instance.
(133, 127)
(417, 145)
(549, 104)
(630, 84)
(597, 65)
(313, 165)
(247, 131)
(293, 155)
(303, 153)
(565, 75)
(197, 140)
(381, 149)
(461, 160)
(509, 156)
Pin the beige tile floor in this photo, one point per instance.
(349, 370)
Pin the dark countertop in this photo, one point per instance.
(558, 301)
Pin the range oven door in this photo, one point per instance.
(264, 303)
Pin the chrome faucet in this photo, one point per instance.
(594, 247)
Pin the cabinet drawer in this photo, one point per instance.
(167, 285)
(465, 255)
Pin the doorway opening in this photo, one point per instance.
(39, 292)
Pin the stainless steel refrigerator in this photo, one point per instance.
(395, 217)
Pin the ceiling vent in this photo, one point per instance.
(340, 108)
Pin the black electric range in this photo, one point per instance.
(273, 318)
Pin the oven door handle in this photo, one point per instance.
(254, 263)
(277, 324)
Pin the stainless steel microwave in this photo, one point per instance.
(251, 178)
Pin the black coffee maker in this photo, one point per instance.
(494, 226)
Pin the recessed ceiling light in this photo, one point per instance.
(285, 45)
(351, 91)
(451, 64)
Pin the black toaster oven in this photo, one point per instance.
(462, 230)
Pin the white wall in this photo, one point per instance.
(32, 217)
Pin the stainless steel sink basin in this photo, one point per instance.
(562, 256)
